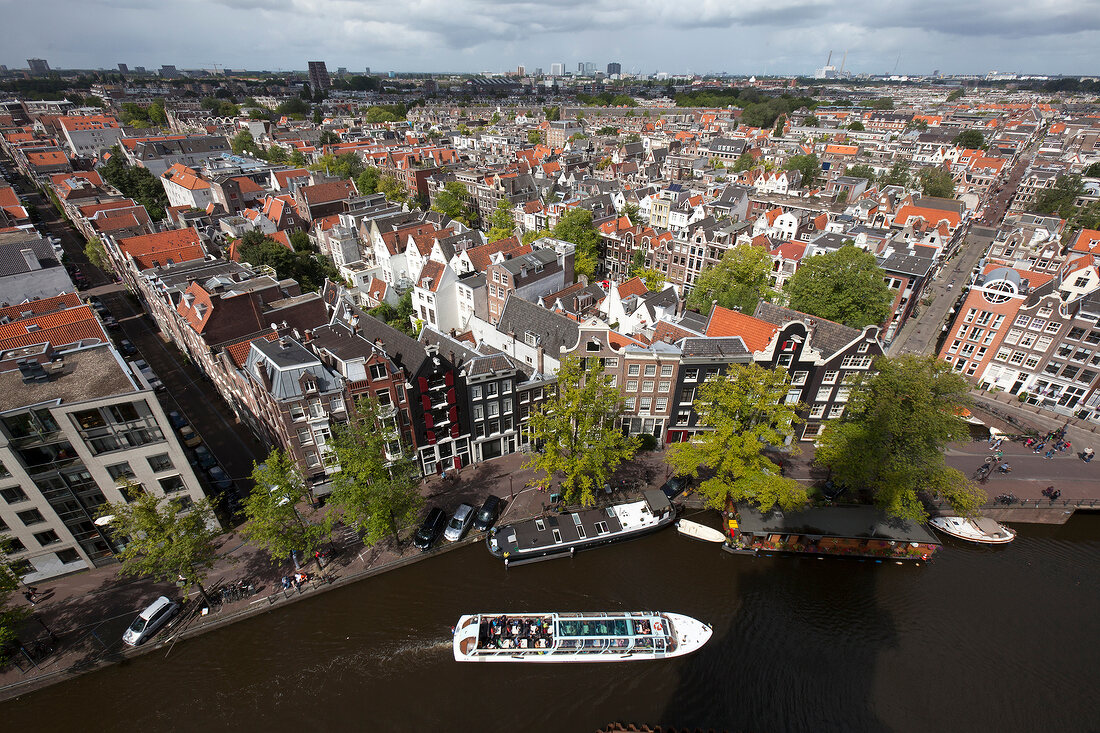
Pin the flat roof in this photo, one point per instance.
(88, 374)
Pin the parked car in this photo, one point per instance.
(460, 522)
(430, 530)
(189, 437)
(111, 323)
(177, 420)
(219, 478)
(149, 620)
(204, 457)
(126, 346)
(488, 514)
(675, 486)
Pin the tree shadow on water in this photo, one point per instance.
(800, 653)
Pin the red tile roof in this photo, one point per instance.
(755, 333)
(60, 328)
(151, 250)
(41, 306)
(634, 286)
(238, 352)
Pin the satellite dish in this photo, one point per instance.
(275, 327)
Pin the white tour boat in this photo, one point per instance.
(982, 529)
(699, 531)
(577, 637)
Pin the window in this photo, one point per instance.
(491, 389)
(1027, 340)
(633, 370)
(651, 370)
(14, 545)
(632, 385)
(666, 370)
(854, 361)
(305, 436)
(171, 484)
(383, 397)
(691, 375)
(843, 393)
(1093, 337)
(49, 537)
(799, 378)
(1086, 375)
(830, 377)
(817, 410)
(792, 396)
(630, 403)
(160, 462)
(30, 517)
(13, 494)
(378, 371)
(665, 386)
(1053, 327)
(1013, 336)
(479, 412)
(662, 404)
(647, 385)
(785, 360)
(507, 406)
(1037, 324)
(493, 409)
(1002, 355)
(836, 411)
(823, 393)
(1031, 362)
(477, 392)
(297, 412)
(1070, 372)
(645, 404)
(1043, 343)
(812, 430)
(120, 471)
(1017, 357)
(1022, 321)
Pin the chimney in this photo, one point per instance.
(354, 323)
(539, 353)
(309, 335)
(31, 259)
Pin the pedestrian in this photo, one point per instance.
(1067, 446)
(1055, 495)
(999, 454)
(1039, 447)
(1089, 453)
(30, 597)
(1049, 454)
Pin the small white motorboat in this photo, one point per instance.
(980, 529)
(699, 531)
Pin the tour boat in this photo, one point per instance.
(699, 531)
(577, 637)
(982, 529)
(557, 535)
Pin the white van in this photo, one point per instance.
(149, 620)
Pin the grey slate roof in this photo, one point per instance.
(286, 361)
(719, 348)
(404, 350)
(826, 336)
(12, 261)
(555, 332)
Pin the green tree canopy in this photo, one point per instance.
(532, 235)
(394, 189)
(137, 183)
(11, 617)
(576, 429)
(534, 136)
(384, 113)
(898, 175)
(345, 165)
(861, 171)
(744, 162)
(367, 182)
(936, 181)
(328, 137)
(1061, 198)
(244, 144)
(631, 211)
(856, 126)
(808, 165)
(280, 513)
(163, 540)
(883, 103)
(293, 106)
(971, 139)
(97, 255)
(502, 223)
(747, 411)
(891, 439)
(451, 201)
(739, 281)
(307, 268)
(608, 130)
(1093, 171)
(846, 286)
(377, 488)
(577, 227)
(955, 95)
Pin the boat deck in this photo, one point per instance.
(560, 529)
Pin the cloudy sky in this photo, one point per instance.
(699, 36)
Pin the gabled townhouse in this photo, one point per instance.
(324, 199)
(547, 268)
(184, 187)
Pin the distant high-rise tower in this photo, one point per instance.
(588, 68)
(557, 69)
(318, 76)
(614, 68)
(123, 69)
(38, 67)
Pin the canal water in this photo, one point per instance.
(981, 639)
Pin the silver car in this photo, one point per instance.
(149, 620)
(460, 522)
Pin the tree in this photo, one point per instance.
(632, 212)
(328, 137)
(883, 103)
(856, 126)
(915, 124)
(297, 159)
(367, 182)
(272, 508)
(1061, 198)
(163, 539)
(300, 242)
(811, 121)
(846, 286)
(808, 165)
(1093, 171)
(970, 139)
(345, 165)
(11, 617)
(502, 223)
(394, 189)
(747, 411)
(936, 182)
(293, 106)
(898, 175)
(377, 488)
(97, 254)
(893, 435)
(136, 183)
(739, 281)
(862, 171)
(451, 201)
(577, 432)
(779, 125)
(955, 95)
(243, 143)
(532, 235)
(745, 162)
(308, 269)
(608, 130)
(534, 136)
(577, 227)
(653, 278)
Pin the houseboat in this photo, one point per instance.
(577, 637)
(860, 532)
(981, 529)
(567, 532)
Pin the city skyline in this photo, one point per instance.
(470, 36)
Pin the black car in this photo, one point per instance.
(675, 486)
(487, 515)
(430, 530)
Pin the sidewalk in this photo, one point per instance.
(87, 612)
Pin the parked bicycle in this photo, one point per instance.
(1007, 499)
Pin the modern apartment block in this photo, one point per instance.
(74, 421)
